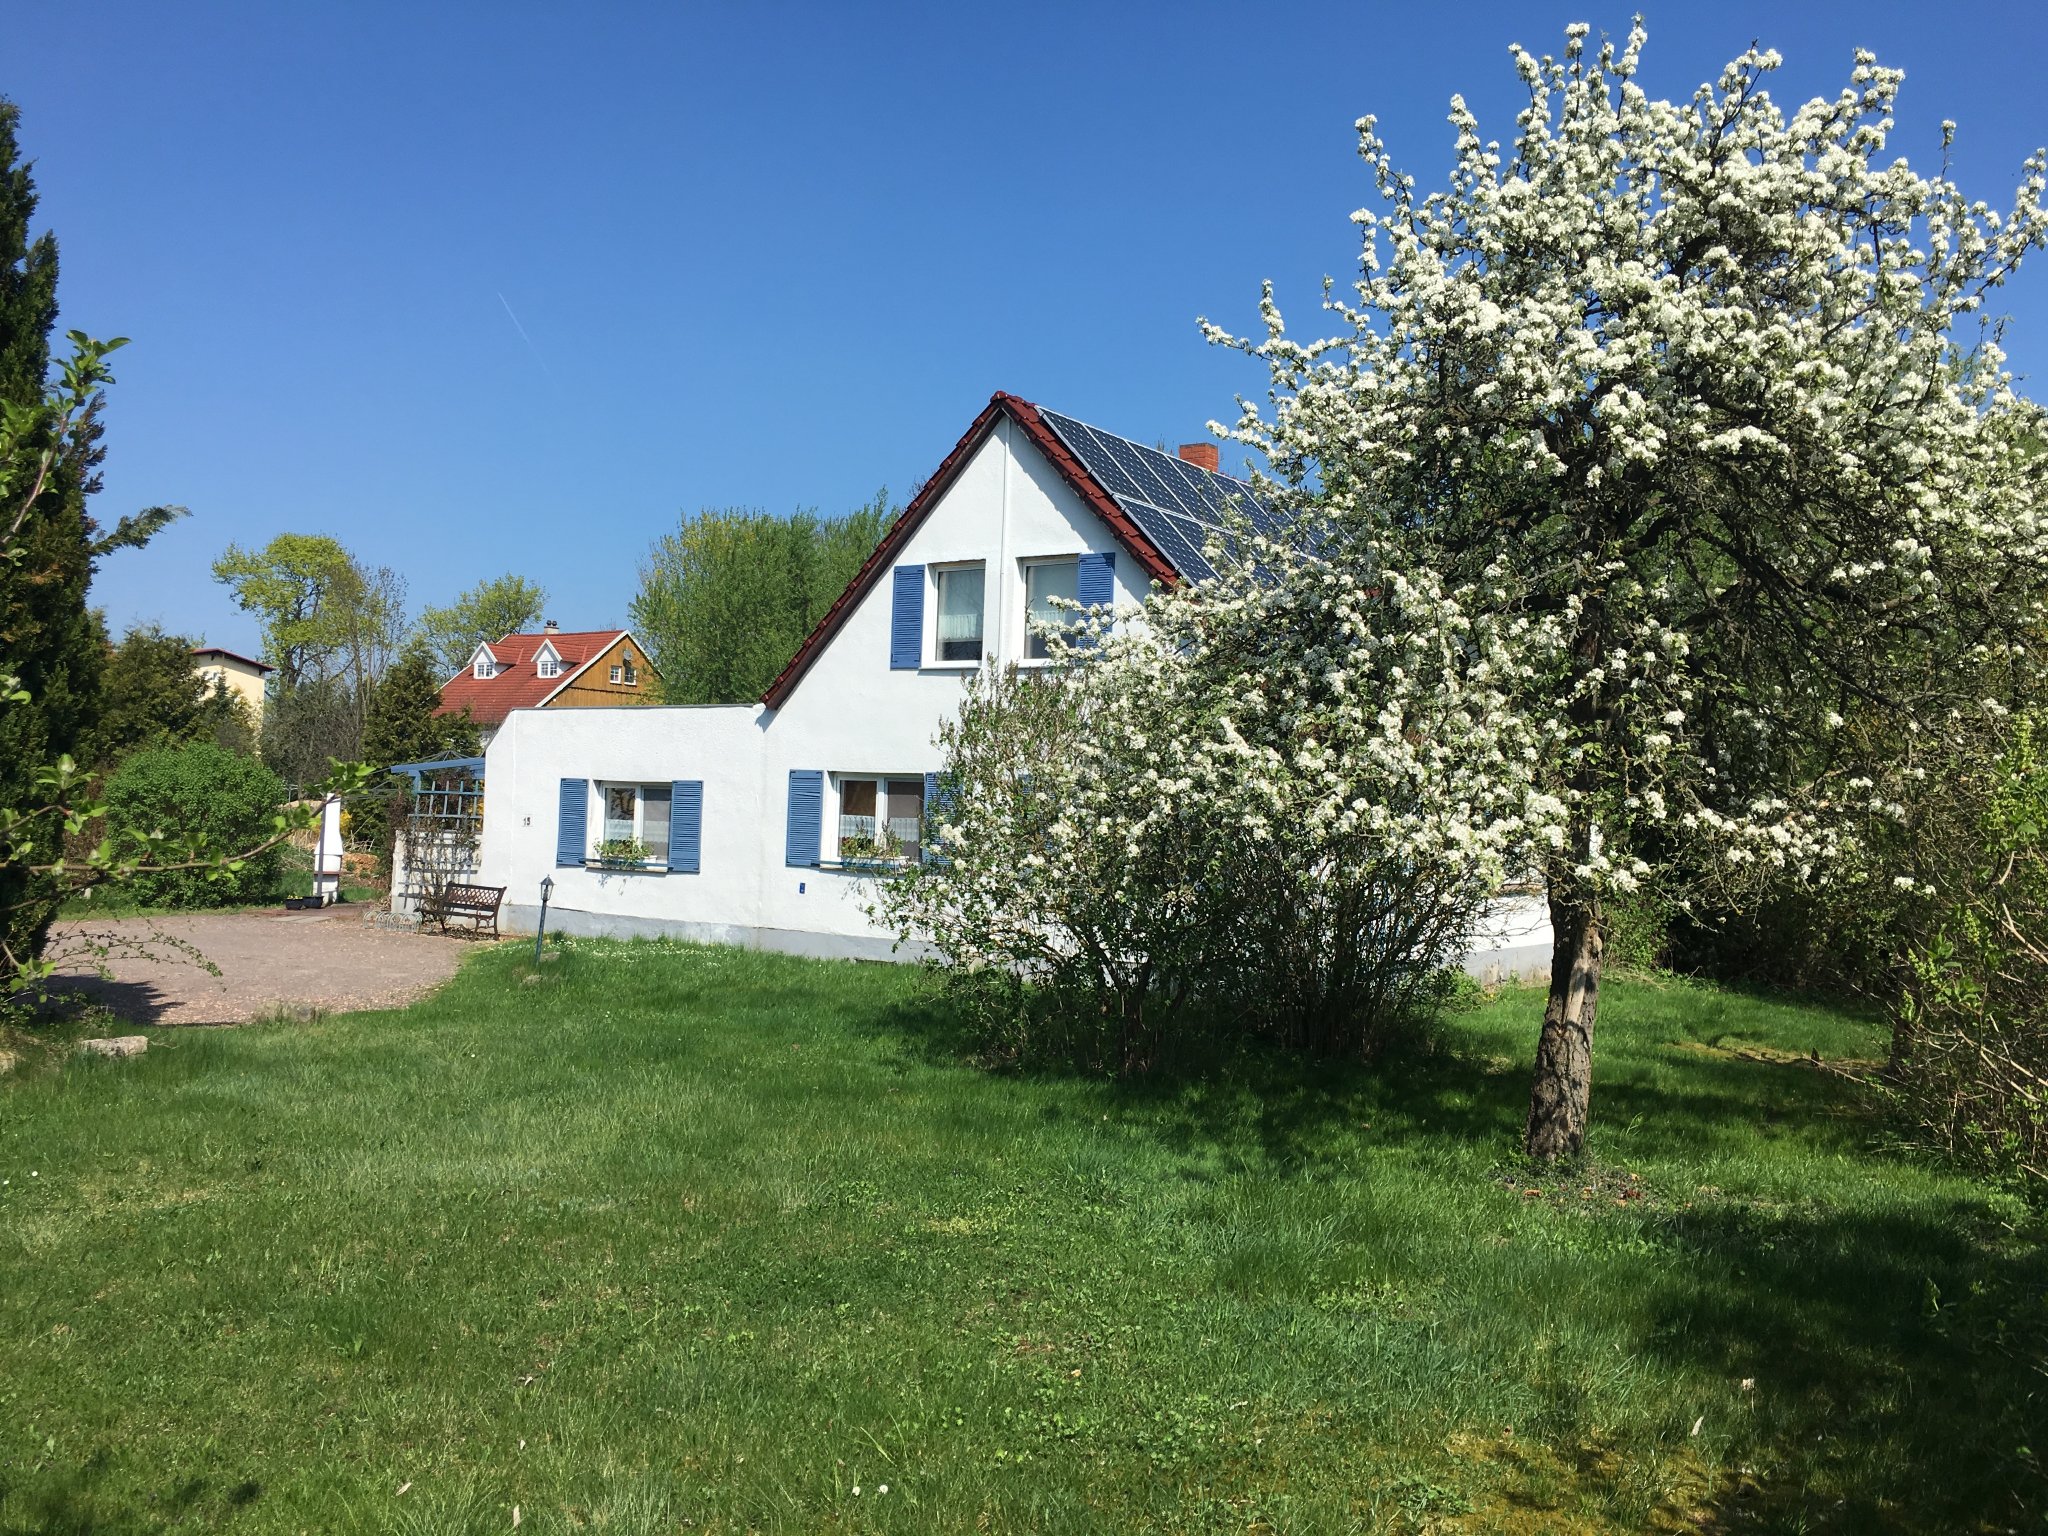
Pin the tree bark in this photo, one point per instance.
(1564, 1054)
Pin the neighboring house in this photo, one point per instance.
(242, 676)
(554, 669)
(756, 817)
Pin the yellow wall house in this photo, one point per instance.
(242, 676)
(554, 669)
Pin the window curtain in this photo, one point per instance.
(960, 615)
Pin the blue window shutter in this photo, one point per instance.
(1095, 580)
(572, 822)
(906, 620)
(806, 816)
(685, 826)
(929, 851)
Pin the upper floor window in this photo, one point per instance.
(624, 675)
(961, 589)
(1045, 580)
(550, 664)
(484, 668)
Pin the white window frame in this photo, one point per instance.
(881, 782)
(625, 674)
(548, 663)
(657, 857)
(485, 667)
(936, 575)
(1024, 570)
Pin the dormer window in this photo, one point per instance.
(548, 663)
(483, 667)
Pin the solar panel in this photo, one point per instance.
(1181, 552)
(1094, 451)
(1179, 505)
(1152, 484)
(1199, 487)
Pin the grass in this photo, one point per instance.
(674, 1238)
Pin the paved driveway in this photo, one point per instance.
(331, 960)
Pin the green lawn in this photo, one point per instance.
(695, 1239)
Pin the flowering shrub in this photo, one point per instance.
(1280, 797)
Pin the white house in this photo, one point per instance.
(744, 812)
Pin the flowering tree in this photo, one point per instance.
(1690, 374)
(1285, 794)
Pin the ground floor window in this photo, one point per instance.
(635, 826)
(880, 818)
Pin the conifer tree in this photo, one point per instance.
(46, 633)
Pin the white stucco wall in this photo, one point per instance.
(852, 714)
(538, 748)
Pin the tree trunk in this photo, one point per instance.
(1564, 1053)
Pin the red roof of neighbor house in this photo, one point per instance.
(247, 661)
(1151, 560)
(518, 685)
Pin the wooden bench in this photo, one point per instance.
(479, 903)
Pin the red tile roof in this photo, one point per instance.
(518, 685)
(1150, 559)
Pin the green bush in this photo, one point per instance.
(1970, 1027)
(198, 788)
(1638, 930)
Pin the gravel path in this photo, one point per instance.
(331, 960)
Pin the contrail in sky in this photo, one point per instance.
(544, 368)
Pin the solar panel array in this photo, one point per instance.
(1179, 505)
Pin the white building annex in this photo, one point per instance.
(746, 813)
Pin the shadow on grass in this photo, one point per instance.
(1899, 1363)
(1215, 1090)
(75, 1504)
(1898, 1344)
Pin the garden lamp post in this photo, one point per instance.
(547, 886)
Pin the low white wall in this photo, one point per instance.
(1513, 940)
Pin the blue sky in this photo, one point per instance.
(770, 255)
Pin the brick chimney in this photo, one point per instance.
(1202, 456)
